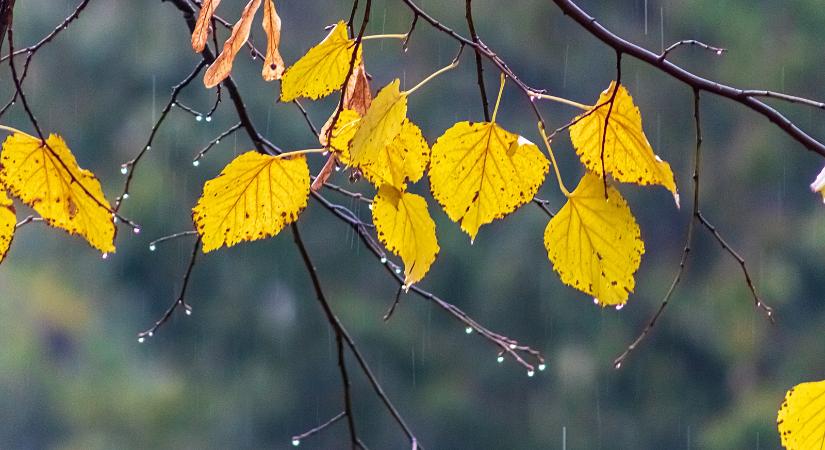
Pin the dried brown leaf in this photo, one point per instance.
(201, 33)
(222, 67)
(273, 63)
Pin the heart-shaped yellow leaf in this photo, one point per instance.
(801, 419)
(594, 243)
(628, 155)
(8, 221)
(404, 225)
(323, 69)
(254, 197)
(379, 126)
(480, 172)
(404, 159)
(47, 178)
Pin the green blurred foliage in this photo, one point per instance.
(255, 363)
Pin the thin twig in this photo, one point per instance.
(717, 50)
(697, 158)
(179, 301)
(468, 13)
(296, 440)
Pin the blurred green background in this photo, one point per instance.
(256, 363)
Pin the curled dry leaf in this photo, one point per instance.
(222, 67)
(201, 33)
(357, 97)
(273, 63)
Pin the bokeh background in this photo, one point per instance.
(256, 361)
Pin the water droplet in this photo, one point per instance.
(114, 218)
(141, 339)
(124, 169)
(595, 301)
(148, 147)
(619, 307)
(618, 365)
(136, 230)
(719, 52)
(325, 153)
(370, 206)
(542, 366)
(150, 334)
(500, 359)
(512, 346)
(531, 372)
(468, 330)
(152, 247)
(196, 163)
(125, 196)
(217, 141)
(296, 442)
(208, 118)
(383, 260)
(397, 270)
(105, 256)
(337, 168)
(188, 311)
(198, 118)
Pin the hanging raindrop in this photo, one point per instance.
(531, 372)
(141, 340)
(500, 359)
(125, 196)
(208, 118)
(296, 442)
(468, 330)
(136, 230)
(542, 366)
(196, 163)
(105, 256)
(198, 118)
(124, 169)
(152, 247)
(383, 260)
(619, 307)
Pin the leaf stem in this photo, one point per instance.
(544, 138)
(14, 130)
(385, 36)
(498, 99)
(561, 100)
(301, 152)
(438, 72)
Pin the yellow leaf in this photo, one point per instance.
(480, 172)
(323, 69)
(8, 221)
(628, 155)
(801, 419)
(404, 159)
(819, 184)
(380, 125)
(344, 131)
(273, 63)
(404, 225)
(222, 66)
(47, 178)
(357, 97)
(594, 243)
(201, 32)
(254, 197)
